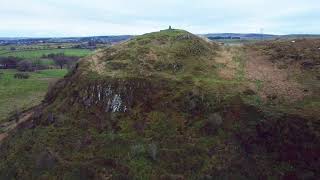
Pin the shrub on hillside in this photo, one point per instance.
(25, 66)
(138, 150)
(21, 75)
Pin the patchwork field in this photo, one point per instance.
(19, 94)
(39, 53)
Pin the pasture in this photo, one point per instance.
(39, 53)
(19, 94)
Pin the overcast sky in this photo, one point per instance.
(40, 18)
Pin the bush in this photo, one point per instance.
(21, 76)
(25, 66)
(138, 150)
(61, 59)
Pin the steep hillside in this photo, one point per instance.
(165, 105)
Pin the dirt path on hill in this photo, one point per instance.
(228, 67)
(7, 127)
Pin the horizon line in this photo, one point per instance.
(38, 37)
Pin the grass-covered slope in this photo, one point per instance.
(156, 107)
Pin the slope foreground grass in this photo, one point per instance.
(165, 105)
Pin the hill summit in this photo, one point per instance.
(157, 107)
(165, 52)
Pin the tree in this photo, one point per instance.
(60, 61)
(25, 65)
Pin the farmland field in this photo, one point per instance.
(32, 54)
(19, 94)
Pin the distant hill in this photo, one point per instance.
(97, 39)
(240, 36)
(299, 36)
(254, 36)
(102, 39)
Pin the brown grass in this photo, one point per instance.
(275, 82)
(96, 64)
(225, 57)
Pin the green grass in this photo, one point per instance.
(19, 94)
(46, 62)
(2, 50)
(34, 54)
(51, 73)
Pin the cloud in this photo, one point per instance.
(104, 17)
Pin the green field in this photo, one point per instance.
(34, 54)
(17, 95)
(20, 94)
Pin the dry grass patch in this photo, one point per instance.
(275, 82)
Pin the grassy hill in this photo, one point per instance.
(165, 105)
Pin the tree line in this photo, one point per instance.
(59, 59)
